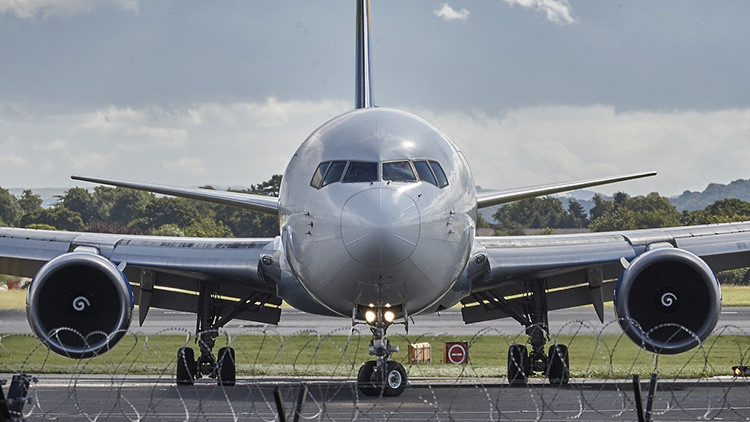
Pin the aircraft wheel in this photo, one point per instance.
(226, 367)
(364, 379)
(519, 366)
(395, 379)
(558, 371)
(185, 366)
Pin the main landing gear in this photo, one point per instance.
(221, 366)
(381, 376)
(521, 363)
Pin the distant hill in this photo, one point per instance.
(692, 201)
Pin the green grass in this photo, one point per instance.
(609, 356)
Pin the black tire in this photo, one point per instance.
(395, 380)
(518, 365)
(558, 370)
(226, 367)
(185, 374)
(364, 379)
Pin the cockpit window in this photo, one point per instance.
(317, 178)
(335, 170)
(424, 172)
(439, 174)
(359, 171)
(398, 171)
(329, 172)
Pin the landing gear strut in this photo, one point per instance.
(521, 363)
(381, 376)
(220, 366)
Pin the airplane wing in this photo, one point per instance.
(266, 204)
(490, 198)
(583, 269)
(163, 272)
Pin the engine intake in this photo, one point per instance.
(668, 300)
(79, 305)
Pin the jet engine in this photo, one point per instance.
(79, 305)
(668, 300)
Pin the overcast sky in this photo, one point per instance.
(532, 91)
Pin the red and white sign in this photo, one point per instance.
(456, 353)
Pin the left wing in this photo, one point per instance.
(580, 269)
(490, 198)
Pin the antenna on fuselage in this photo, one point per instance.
(363, 94)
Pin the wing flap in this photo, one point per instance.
(485, 306)
(187, 301)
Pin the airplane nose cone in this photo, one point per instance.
(380, 227)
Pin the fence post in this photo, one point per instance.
(279, 404)
(638, 399)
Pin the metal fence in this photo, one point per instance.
(312, 376)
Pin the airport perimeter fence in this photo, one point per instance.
(312, 376)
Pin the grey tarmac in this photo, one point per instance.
(156, 398)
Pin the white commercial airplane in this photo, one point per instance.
(377, 213)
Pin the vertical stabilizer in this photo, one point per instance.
(363, 92)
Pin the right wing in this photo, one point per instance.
(163, 272)
(266, 204)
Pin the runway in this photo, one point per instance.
(154, 398)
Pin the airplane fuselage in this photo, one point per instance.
(380, 206)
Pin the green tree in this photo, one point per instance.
(81, 201)
(163, 210)
(577, 214)
(10, 210)
(535, 213)
(207, 227)
(59, 217)
(723, 211)
(601, 207)
(269, 187)
(641, 212)
(29, 202)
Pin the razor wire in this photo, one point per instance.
(135, 380)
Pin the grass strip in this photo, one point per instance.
(596, 357)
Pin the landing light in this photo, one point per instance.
(389, 316)
(741, 371)
(370, 316)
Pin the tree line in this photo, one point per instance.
(622, 212)
(128, 211)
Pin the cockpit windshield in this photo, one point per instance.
(391, 171)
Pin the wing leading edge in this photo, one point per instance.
(490, 198)
(266, 204)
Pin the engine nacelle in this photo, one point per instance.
(79, 305)
(662, 291)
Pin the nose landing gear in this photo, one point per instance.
(381, 376)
